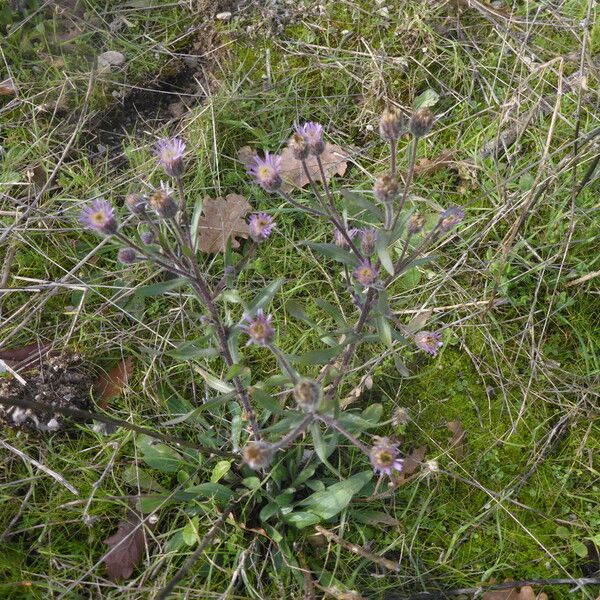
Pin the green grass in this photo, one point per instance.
(508, 374)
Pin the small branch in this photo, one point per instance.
(331, 422)
(384, 562)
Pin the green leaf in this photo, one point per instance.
(268, 510)
(384, 330)
(336, 497)
(579, 548)
(361, 202)
(190, 532)
(302, 519)
(158, 289)
(265, 296)
(214, 382)
(209, 490)
(384, 255)
(220, 470)
(333, 311)
(428, 98)
(159, 456)
(401, 367)
(316, 357)
(192, 349)
(194, 224)
(334, 252)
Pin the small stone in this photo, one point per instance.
(223, 16)
(110, 58)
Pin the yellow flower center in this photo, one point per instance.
(385, 458)
(98, 217)
(264, 172)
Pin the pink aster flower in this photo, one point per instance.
(100, 216)
(261, 226)
(170, 155)
(385, 457)
(430, 341)
(259, 328)
(266, 171)
(313, 136)
(366, 274)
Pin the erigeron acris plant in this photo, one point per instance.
(369, 270)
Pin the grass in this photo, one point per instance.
(518, 504)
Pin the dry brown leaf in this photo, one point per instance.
(127, 547)
(7, 87)
(414, 460)
(222, 218)
(17, 355)
(111, 383)
(524, 593)
(429, 166)
(334, 161)
(458, 438)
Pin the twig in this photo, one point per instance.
(384, 562)
(57, 476)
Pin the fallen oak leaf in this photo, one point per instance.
(15, 356)
(111, 383)
(126, 548)
(457, 440)
(414, 460)
(334, 160)
(222, 218)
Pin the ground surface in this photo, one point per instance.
(515, 92)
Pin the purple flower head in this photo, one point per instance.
(430, 341)
(368, 238)
(266, 171)
(340, 240)
(366, 274)
(127, 256)
(170, 155)
(385, 457)
(451, 217)
(259, 328)
(261, 225)
(100, 216)
(313, 136)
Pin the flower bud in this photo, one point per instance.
(136, 204)
(307, 394)
(391, 124)
(163, 204)
(385, 188)
(451, 217)
(421, 122)
(127, 256)
(147, 237)
(297, 144)
(258, 455)
(368, 239)
(313, 137)
(415, 223)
